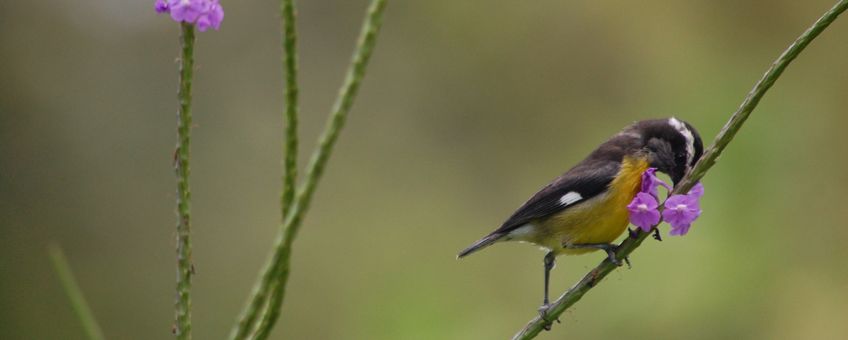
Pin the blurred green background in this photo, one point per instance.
(468, 108)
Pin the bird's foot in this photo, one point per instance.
(614, 258)
(543, 313)
(611, 255)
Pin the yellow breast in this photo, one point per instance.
(600, 219)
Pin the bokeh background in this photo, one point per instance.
(468, 108)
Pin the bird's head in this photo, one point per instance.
(672, 145)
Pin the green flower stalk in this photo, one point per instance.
(272, 312)
(182, 328)
(275, 274)
(259, 301)
(202, 15)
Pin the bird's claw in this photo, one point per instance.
(543, 313)
(614, 259)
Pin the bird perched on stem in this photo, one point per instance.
(585, 209)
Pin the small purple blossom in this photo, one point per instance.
(161, 6)
(643, 211)
(650, 182)
(643, 208)
(680, 211)
(203, 13)
(211, 18)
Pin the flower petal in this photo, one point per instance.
(697, 190)
(680, 211)
(161, 6)
(203, 13)
(680, 230)
(643, 211)
(650, 182)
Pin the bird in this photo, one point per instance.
(585, 208)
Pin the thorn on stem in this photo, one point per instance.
(657, 235)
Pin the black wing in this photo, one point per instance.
(588, 180)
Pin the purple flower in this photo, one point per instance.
(643, 211)
(211, 18)
(650, 182)
(680, 211)
(187, 10)
(161, 6)
(203, 13)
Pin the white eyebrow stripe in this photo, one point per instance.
(570, 198)
(631, 134)
(687, 134)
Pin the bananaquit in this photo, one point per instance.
(585, 209)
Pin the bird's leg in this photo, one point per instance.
(607, 247)
(550, 258)
(549, 264)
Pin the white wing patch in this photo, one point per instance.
(687, 134)
(570, 198)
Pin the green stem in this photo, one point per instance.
(272, 311)
(724, 137)
(290, 60)
(182, 329)
(258, 303)
(72, 289)
(276, 271)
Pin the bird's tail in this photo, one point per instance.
(480, 244)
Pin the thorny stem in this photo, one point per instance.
(182, 328)
(570, 297)
(276, 271)
(272, 311)
(290, 60)
(259, 301)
